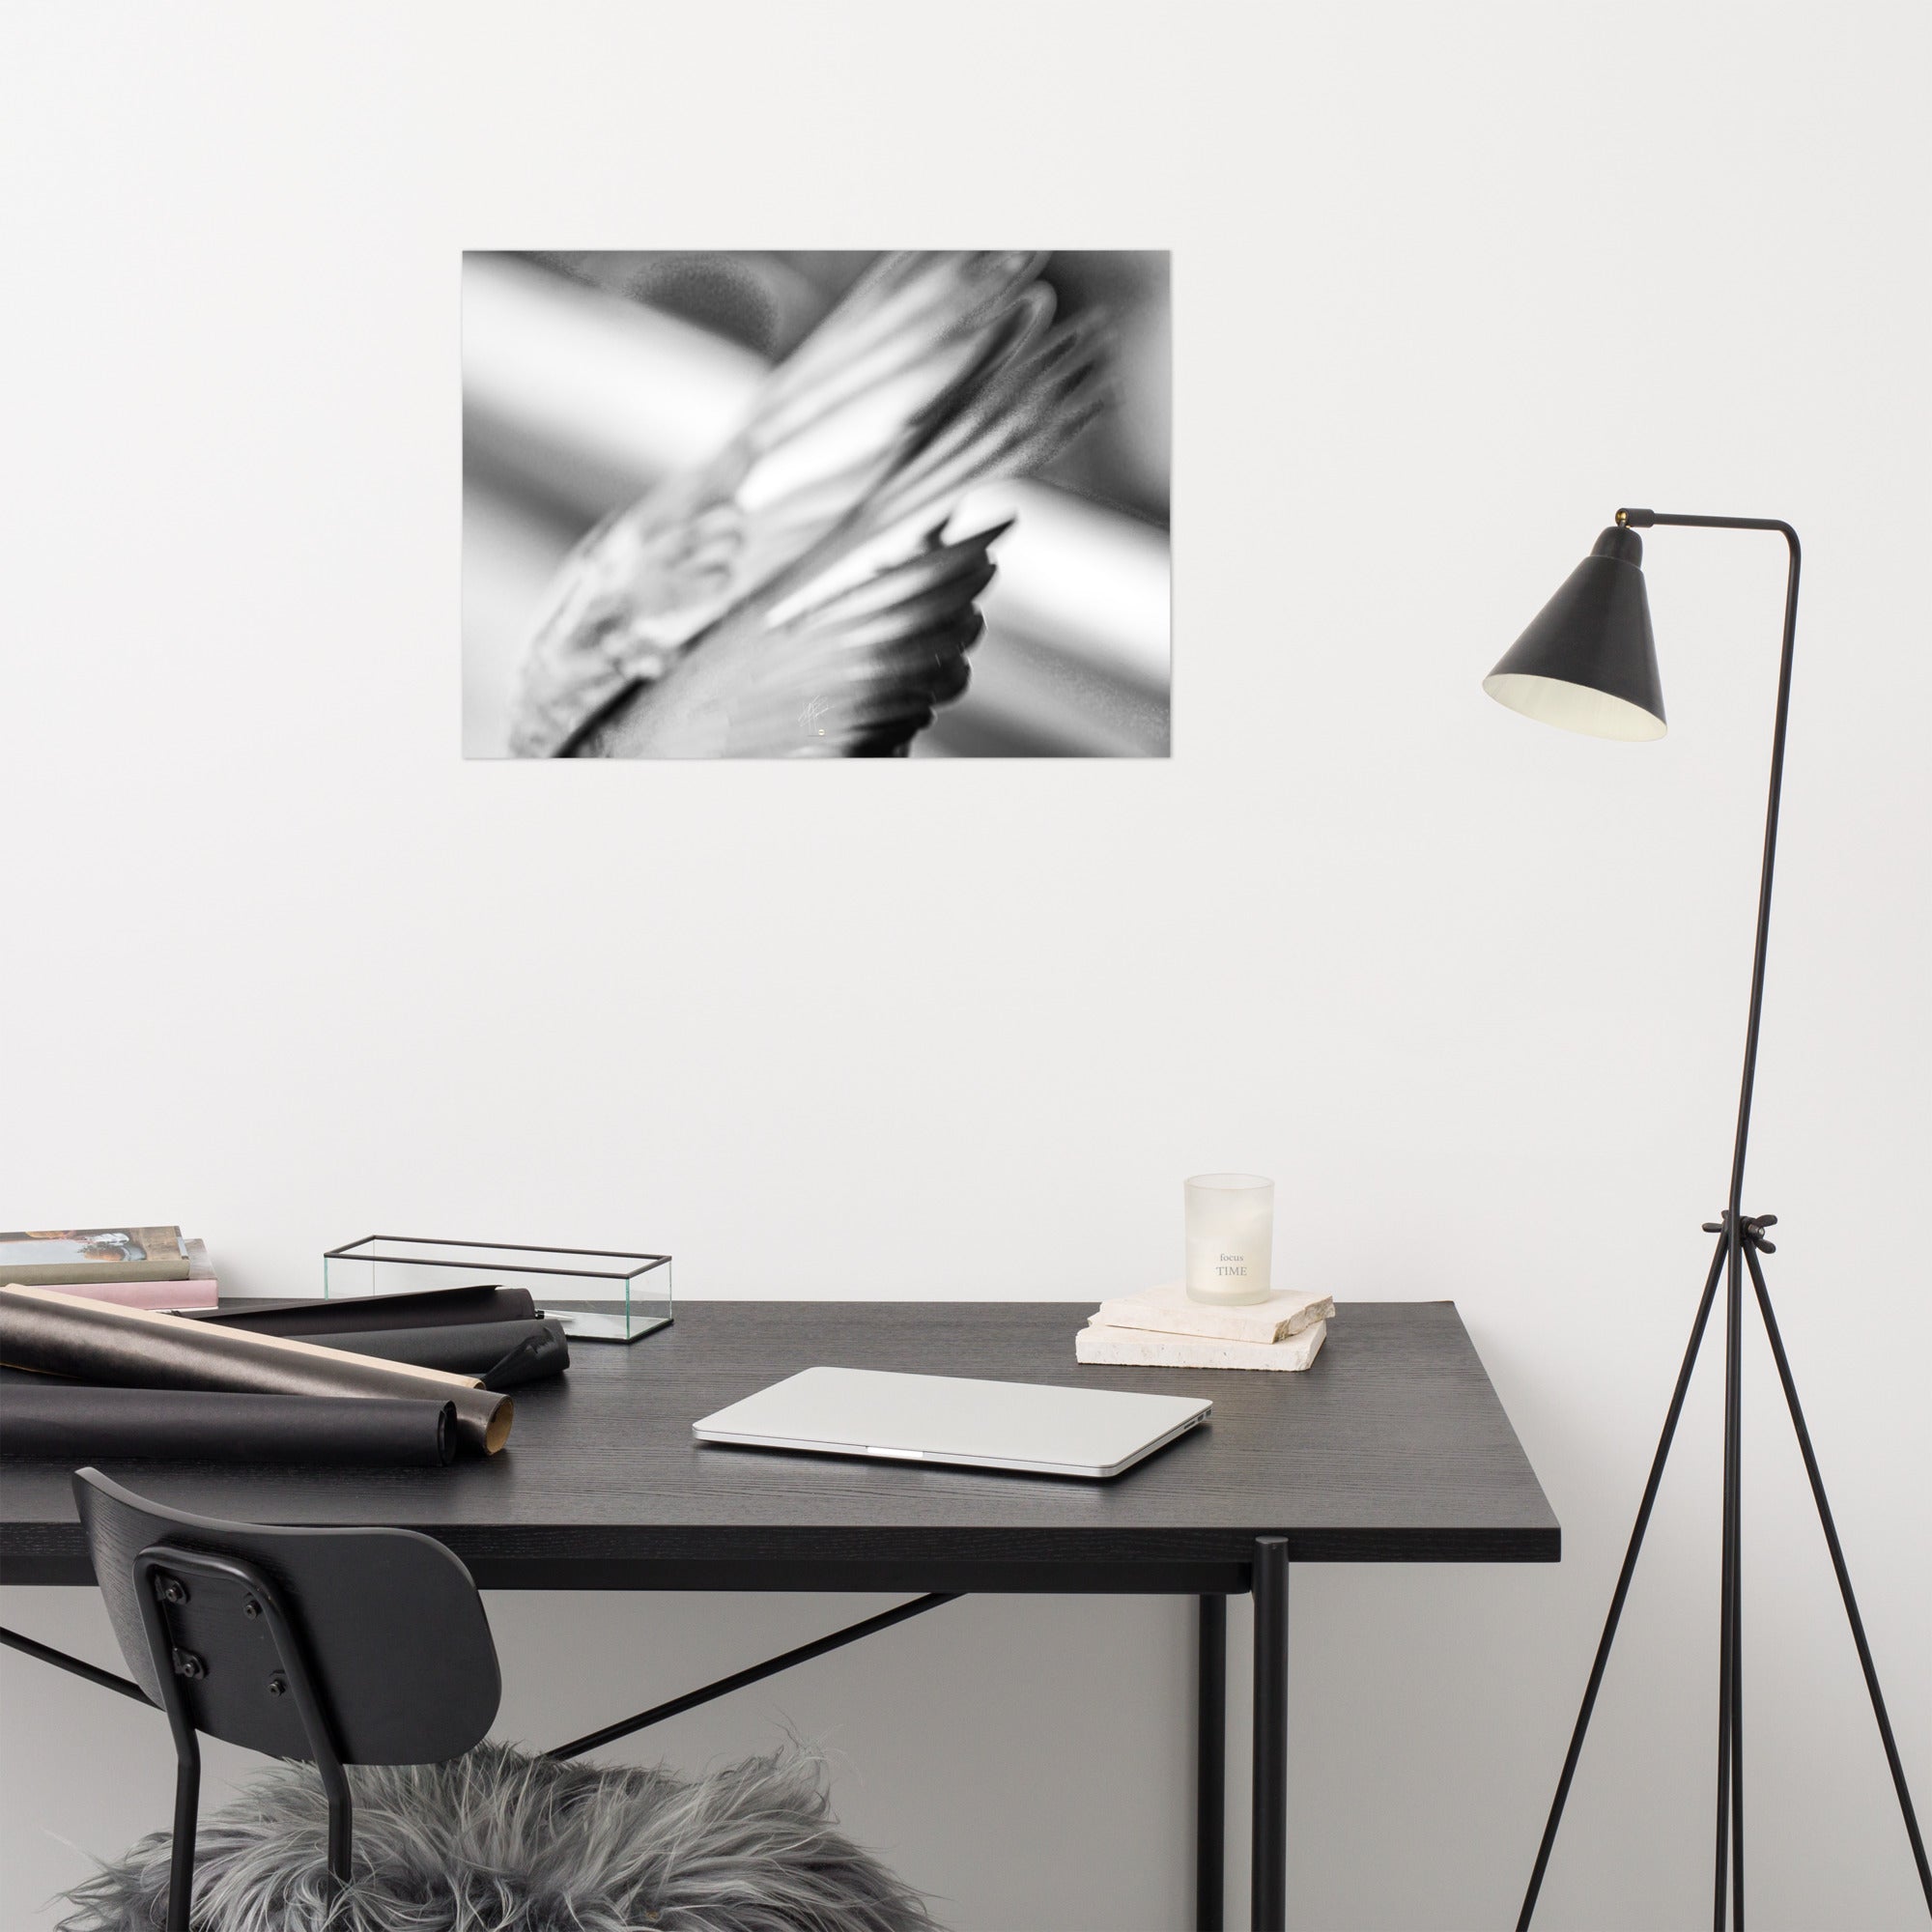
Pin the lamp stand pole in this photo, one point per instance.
(1740, 1240)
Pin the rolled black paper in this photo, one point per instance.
(465, 1347)
(69, 1422)
(363, 1314)
(137, 1347)
(524, 1363)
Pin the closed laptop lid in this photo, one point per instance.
(953, 1419)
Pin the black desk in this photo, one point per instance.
(1392, 1448)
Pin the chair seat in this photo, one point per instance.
(499, 1841)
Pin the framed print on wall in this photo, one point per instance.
(815, 505)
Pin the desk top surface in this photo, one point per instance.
(1392, 1446)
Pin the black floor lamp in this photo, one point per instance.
(1588, 662)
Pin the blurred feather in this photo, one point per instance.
(796, 595)
(848, 672)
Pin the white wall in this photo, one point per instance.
(1451, 284)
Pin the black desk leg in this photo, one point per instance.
(1211, 1766)
(1270, 1892)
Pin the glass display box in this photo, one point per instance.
(598, 1297)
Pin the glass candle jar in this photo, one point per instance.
(1230, 1237)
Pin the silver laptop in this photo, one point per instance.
(1045, 1431)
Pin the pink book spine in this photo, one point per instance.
(160, 1295)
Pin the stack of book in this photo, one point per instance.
(1163, 1328)
(132, 1267)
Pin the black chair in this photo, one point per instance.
(371, 1647)
(331, 1646)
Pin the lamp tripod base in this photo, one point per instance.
(1741, 1241)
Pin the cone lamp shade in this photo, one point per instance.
(1588, 661)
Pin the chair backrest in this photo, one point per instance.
(390, 1630)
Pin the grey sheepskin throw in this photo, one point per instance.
(496, 1841)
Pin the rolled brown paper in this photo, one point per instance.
(71, 1423)
(362, 1314)
(137, 1347)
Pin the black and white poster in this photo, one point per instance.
(810, 504)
